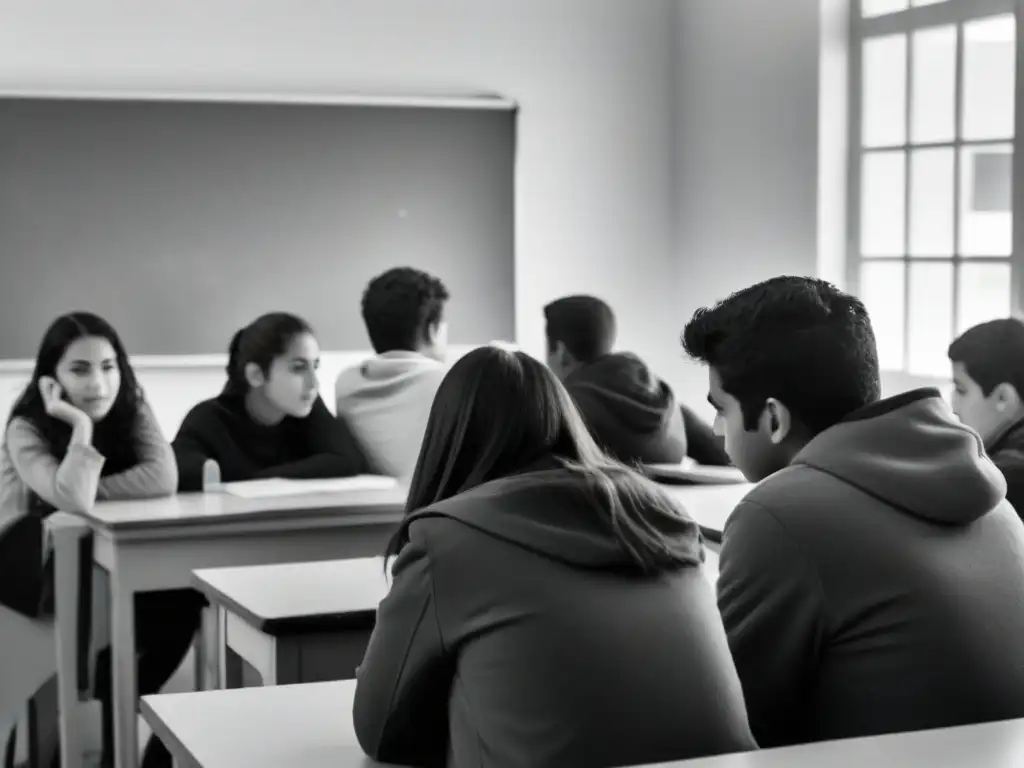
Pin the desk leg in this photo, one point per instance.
(65, 576)
(208, 652)
(122, 615)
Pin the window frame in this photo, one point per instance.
(907, 22)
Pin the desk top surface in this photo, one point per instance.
(299, 596)
(709, 505)
(226, 729)
(355, 506)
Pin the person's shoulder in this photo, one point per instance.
(21, 431)
(205, 412)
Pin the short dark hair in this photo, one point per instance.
(400, 306)
(496, 414)
(584, 324)
(799, 340)
(992, 353)
(264, 339)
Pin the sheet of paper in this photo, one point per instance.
(261, 489)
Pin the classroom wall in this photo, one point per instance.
(746, 155)
(593, 78)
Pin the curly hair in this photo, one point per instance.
(400, 306)
(797, 339)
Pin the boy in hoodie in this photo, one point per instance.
(873, 581)
(988, 383)
(629, 411)
(386, 400)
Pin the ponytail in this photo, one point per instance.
(236, 383)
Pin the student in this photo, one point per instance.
(988, 381)
(386, 399)
(269, 421)
(82, 431)
(630, 412)
(548, 606)
(873, 581)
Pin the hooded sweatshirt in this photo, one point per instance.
(1007, 451)
(876, 584)
(630, 412)
(519, 632)
(386, 402)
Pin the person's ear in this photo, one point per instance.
(561, 354)
(778, 421)
(1006, 398)
(254, 376)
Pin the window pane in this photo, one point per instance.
(986, 200)
(930, 326)
(870, 8)
(881, 290)
(989, 77)
(884, 91)
(933, 100)
(932, 207)
(883, 204)
(983, 293)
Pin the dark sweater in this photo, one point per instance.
(1007, 451)
(630, 412)
(317, 446)
(876, 585)
(518, 632)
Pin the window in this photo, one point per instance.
(932, 139)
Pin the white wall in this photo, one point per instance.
(594, 79)
(746, 157)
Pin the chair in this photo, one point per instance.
(28, 648)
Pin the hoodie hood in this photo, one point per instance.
(913, 453)
(628, 409)
(384, 376)
(556, 514)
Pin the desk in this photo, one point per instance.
(287, 725)
(709, 505)
(990, 745)
(298, 622)
(155, 544)
(244, 727)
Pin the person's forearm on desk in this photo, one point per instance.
(155, 475)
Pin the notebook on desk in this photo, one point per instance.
(261, 489)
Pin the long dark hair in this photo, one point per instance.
(499, 412)
(265, 338)
(113, 436)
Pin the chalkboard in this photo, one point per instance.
(181, 221)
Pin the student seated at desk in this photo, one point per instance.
(873, 581)
(548, 606)
(629, 411)
(82, 431)
(269, 421)
(386, 399)
(988, 395)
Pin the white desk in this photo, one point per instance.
(709, 505)
(287, 725)
(155, 544)
(990, 745)
(311, 726)
(297, 622)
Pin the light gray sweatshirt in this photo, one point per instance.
(386, 402)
